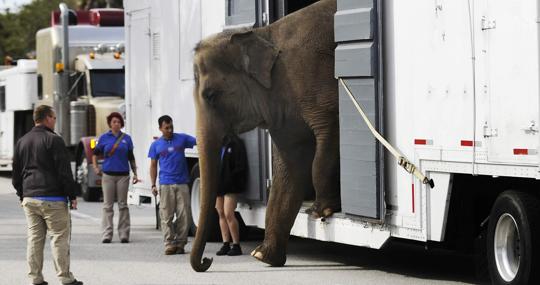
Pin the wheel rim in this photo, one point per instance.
(506, 246)
(195, 202)
(82, 173)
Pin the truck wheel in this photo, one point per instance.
(513, 241)
(88, 194)
(214, 233)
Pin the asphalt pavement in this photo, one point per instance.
(142, 260)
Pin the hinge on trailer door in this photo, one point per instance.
(489, 132)
(488, 25)
(531, 129)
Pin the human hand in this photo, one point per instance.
(97, 170)
(154, 190)
(135, 179)
(73, 205)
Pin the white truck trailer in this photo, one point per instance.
(453, 85)
(18, 94)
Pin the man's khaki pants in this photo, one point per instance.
(174, 199)
(115, 187)
(54, 217)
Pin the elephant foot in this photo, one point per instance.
(268, 256)
(320, 210)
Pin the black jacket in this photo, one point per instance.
(41, 165)
(233, 172)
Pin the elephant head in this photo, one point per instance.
(233, 74)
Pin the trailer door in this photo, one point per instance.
(509, 40)
(357, 29)
(138, 101)
(250, 13)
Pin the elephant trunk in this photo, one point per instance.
(209, 139)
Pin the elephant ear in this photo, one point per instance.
(257, 56)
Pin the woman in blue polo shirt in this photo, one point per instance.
(116, 148)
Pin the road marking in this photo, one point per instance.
(83, 216)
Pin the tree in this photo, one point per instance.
(18, 30)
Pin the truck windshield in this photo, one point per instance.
(107, 82)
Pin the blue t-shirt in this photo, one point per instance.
(118, 162)
(172, 161)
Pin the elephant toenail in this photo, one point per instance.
(258, 255)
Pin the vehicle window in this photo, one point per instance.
(105, 83)
(2, 98)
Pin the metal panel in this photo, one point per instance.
(240, 12)
(354, 24)
(256, 176)
(357, 60)
(353, 4)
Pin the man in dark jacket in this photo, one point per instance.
(44, 183)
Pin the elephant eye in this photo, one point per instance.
(210, 95)
(196, 75)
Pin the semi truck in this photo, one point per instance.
(80, 68)
(453, 85)
(18, 94)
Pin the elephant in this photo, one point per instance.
(281, 78)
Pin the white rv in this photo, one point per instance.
(18, 94)
(453, 85)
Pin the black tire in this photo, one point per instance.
(514, 227)
(480, 257)
(214, 232)
(89, 194)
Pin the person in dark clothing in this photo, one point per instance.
(44, 183)
(233, 170)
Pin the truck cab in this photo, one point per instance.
(95, 82)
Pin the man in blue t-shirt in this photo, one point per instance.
(168, 150)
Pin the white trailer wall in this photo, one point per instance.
(160, 39)
(461, 96)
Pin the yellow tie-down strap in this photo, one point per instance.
(402, 160)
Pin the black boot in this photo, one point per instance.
(225, 248)
(75, 282)
(235, 250)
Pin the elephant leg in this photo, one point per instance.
(326, 171)
(292, 175)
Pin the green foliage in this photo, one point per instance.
(18, 30)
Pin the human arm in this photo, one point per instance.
(95, 165)
(153, 175)
(133, 165)
(98, 150)
(190, 142)
(16, 177)
(62, 166)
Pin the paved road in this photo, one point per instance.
(142, 261)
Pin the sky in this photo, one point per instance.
(12, 4)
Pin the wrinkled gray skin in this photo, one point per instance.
(279, 77)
